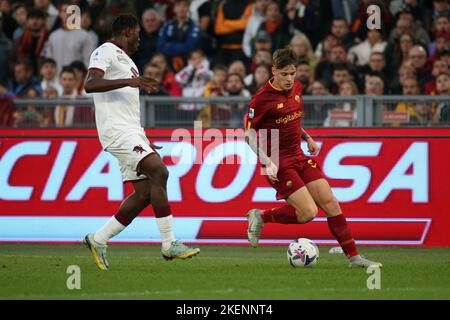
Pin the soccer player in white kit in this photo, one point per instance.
(114, 81)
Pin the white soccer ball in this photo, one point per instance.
(302, 253)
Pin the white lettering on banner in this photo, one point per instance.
(185, 153)
(206, 191)
(361, 175)
(59, 170)
(7, 163)
(94, 178)
(417, 157)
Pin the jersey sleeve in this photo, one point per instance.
(256, 113)
(101, 58)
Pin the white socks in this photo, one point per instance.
(111, 228)
(165, 226)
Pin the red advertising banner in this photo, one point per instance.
(391, 183)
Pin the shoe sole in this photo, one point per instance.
(97, 261)
(185, 256)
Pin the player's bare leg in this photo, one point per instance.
(322, 194)
(128, 210)
(301, 208)
(157, 174)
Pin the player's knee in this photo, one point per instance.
(307, 214)
(144, 195)
(331, 206)
(160, 174)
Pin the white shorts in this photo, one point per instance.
(130, 150)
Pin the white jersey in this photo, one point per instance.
(117, 112)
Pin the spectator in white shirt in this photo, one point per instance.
(360, 54)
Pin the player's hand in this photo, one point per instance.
(313, 147)
(145, 83)
(271, 171)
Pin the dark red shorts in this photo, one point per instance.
(295, 176)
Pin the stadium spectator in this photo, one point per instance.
(194, 77)
(20, 15)
(238, 67)
(6, 107)
(317, 112)
(323, 53)
(345, 9)
(260, 76)
(341, 74)
(374, 85)
(340, 31)
(377, 63)
(418, 57)
(28, 116)
(200, 12)
(48, 74)
(80, 71)
(418, 112)
(86, 24)
(406, 22)
(154, 71)
(235, 87)
(406, 71)
(179, 36)
(301, 17)
(302, 48)
(275, 26)
(29, 46)
(304, 75)
(148, 36)
(396, 54)
(337, 117)
(441, 24)
(262, 41)
(256, 19)
(442, 42)
(9, 23)
(442, 114)
(170, 84)
(5, 51)
(360, 53)
(231, 21)
(50, 10)
(212, 113)
(439, 66)
(69, 115)
(77, 43)
(23, 80)
(410, 87)
(324, 69)
(441, 8)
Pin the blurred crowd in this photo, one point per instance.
(202, 48)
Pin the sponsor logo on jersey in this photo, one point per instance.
(290, 117)
(139, 149)
(312, 163)
(280, 106)
(251, 113)
(122, 59)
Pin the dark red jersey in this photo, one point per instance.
(273, 108)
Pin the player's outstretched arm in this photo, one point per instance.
(96, 83)
(252, 139)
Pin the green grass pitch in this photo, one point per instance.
(31, 271)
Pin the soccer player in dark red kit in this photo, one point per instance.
(297, 178)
